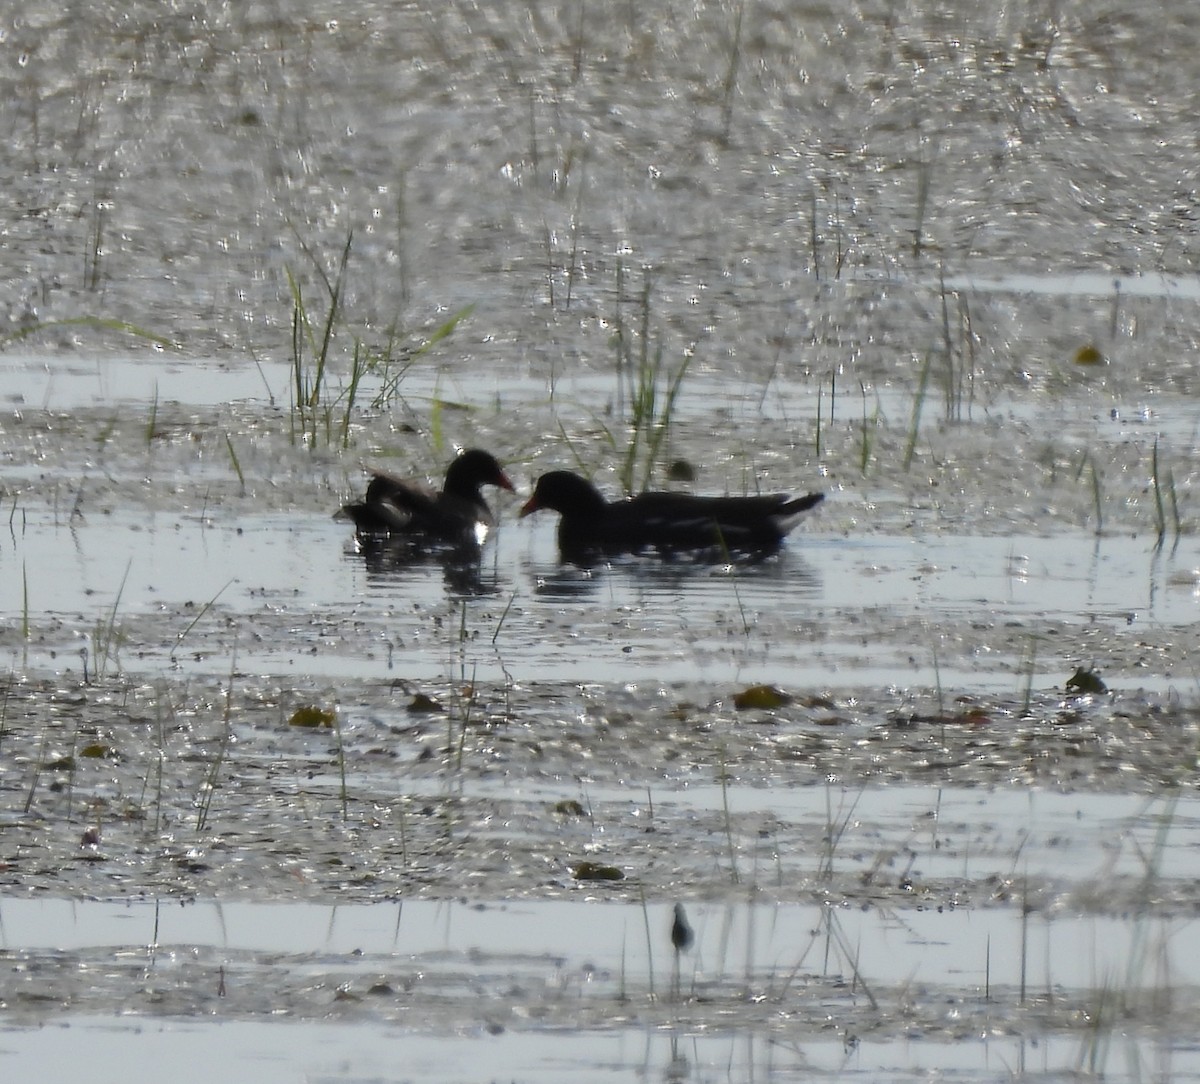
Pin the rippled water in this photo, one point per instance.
(934, 260)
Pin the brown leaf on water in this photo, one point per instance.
(760, 697)
(422, 703)
(97, 751)
(312, 717)
(594, 871)
(1089, 354)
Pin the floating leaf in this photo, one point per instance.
(1085, 683)
(569, 808)
(311, 717)
(594, 871)
(1089, 355)
(761, 697)
(423, 704)
(97, 751)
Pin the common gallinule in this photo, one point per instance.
(397, 508)
(681, 930)
(709, 528)
(682, 937)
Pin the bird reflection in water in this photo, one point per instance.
(394, 561)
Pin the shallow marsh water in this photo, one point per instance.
(935, 261)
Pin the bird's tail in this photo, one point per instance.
(794, 511)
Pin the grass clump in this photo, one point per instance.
(107, 636)
(322, 412)
(208, 788)
(1163, 480)
(311, 341)
(652, 391)
(914, 426)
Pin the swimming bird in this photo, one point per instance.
(708, 528)
(681, 931)
(399, 508)
(681, 939)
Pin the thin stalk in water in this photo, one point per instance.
(730, 85)
(649, 940)
(733, 870)
(918, 403)
(1160, 518)
(209, 786)
(1030, 668)
(203, 610)
(817, 443)
(237, 467)
(1097, 500)
(341, 759)
(104, 638)
(500, 624)
(868, 430)
(152, 424)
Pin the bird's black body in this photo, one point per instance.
(396, 508)
(669, 524)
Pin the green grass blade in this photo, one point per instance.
(918, 404)
(99, 322)
(237, 467)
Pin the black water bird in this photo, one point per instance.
(681, 932)
(681, 938)
(670, 524)
(400, 508)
